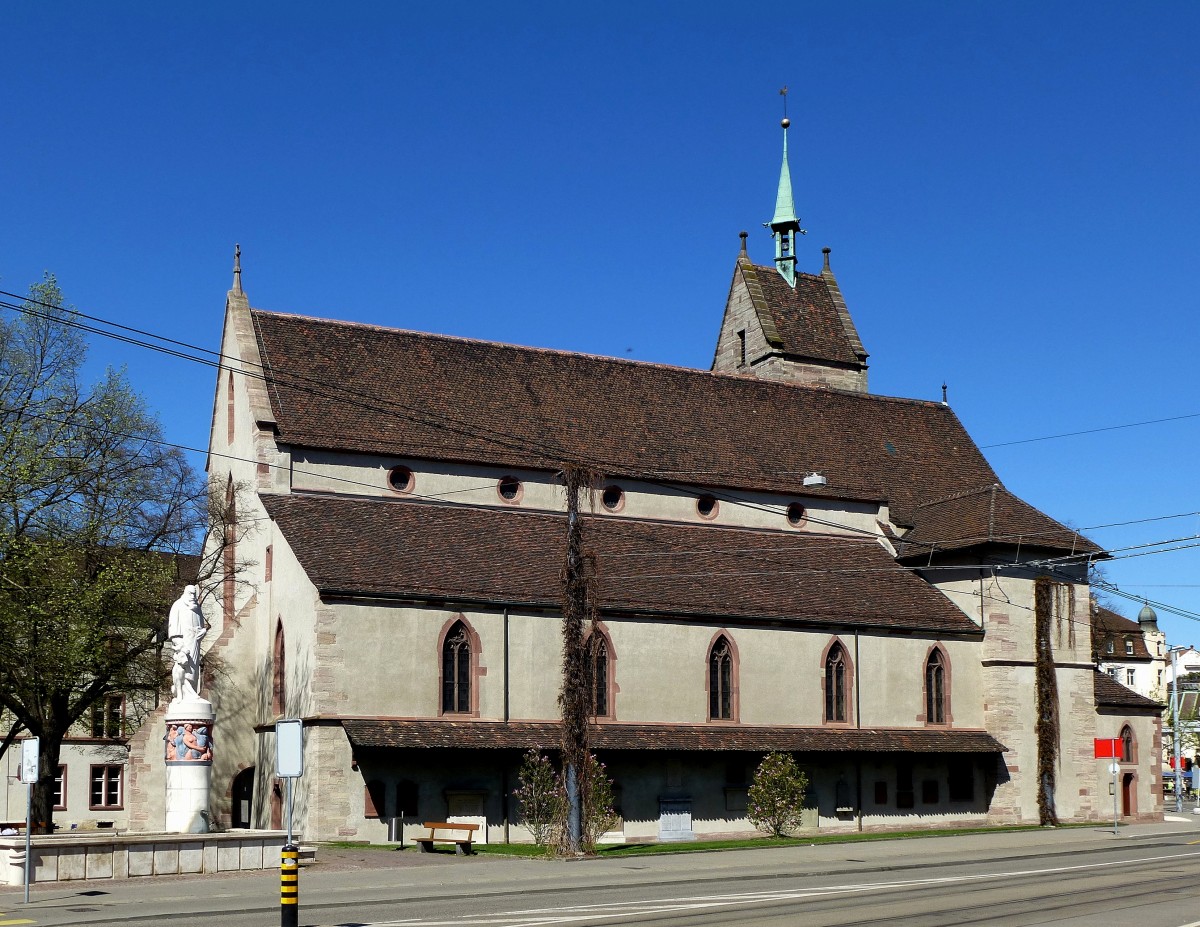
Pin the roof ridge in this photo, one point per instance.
(955, 496)
(816, 278)
(607, 358)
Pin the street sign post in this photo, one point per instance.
(289, 765)
(31, 750)
(1109, 748)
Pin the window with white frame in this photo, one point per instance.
(60, 789)
(106, 787)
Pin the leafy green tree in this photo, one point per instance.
(539, 795)
(95, 512)
(775, 800)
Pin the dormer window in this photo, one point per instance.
(1108, 646)
(1129, 646)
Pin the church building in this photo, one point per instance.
(783, 560)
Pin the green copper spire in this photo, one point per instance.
(785, 225)
(785, 205)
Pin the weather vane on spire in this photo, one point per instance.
(783, 93)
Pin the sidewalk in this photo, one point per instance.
(884, 850)
(429, 874)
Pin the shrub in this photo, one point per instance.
(598, 814)
(539, 795)
(775, 801)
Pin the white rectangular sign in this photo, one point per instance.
(30, 749)
(289, 749)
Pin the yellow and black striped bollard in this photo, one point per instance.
(289, 886)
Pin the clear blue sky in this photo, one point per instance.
(1010, 191)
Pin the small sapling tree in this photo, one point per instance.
(598, 814)
(539, 795)
(775, 801)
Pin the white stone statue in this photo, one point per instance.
(186, 627)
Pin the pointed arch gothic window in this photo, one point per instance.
(1127, 744)
(456, 670)
(836, 677)
(935, 688)
(720, 680)
(599, 664)
(278, 673)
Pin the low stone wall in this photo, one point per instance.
(68, 857)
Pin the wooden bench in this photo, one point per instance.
(461, 835)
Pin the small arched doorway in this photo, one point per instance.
(242, 798)
(1128, 805)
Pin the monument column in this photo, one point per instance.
(188, 743)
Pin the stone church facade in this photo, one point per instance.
(784, 561)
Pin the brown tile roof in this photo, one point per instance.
(430, 550)
(1111, 694)
(805, 321)
(360, 388)
(1108, 626)
(545, 735)
(987, 515)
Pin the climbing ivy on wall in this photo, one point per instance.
(1045, 594)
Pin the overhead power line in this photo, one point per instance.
(1091, 431)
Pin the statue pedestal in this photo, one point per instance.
(189, 753)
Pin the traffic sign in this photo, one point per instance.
(289, 749)
(30, 750)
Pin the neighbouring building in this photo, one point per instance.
(782, 559)
(1134, 653)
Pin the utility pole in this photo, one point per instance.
(575, 697)
(1175, 727)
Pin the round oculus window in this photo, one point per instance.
(509, 489)
(612, 498)
(400, 479)
(706, 507)
(796, 514)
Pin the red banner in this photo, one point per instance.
(1108, 748)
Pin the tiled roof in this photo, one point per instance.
(984, 515)
(805, 320)
(546, 735)
(1109, 626)
(1112, 694)
(431, 550)
(360, 388)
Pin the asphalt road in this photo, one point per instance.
(1148, 876)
